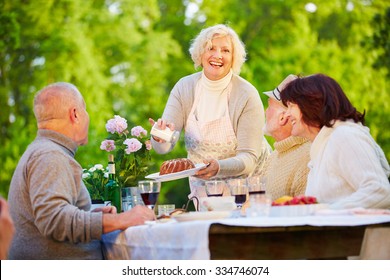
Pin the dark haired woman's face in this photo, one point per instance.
(299, 127)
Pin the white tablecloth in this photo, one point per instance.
(162, 241)
(189, 240)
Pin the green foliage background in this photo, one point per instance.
(126, 55)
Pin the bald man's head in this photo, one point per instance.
(60, 107)
(54, 101)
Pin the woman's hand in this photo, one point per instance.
(209, 171)
(161, 124)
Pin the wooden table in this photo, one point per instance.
(281, 243)
(262, 239)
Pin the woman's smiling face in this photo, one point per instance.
(299, 127)
(218, 58)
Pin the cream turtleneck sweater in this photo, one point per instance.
(286, 168)
(212, 102)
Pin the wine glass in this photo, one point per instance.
(239, 189)
(149, 191)
(259, 200)
(256, 185)
(215, 187)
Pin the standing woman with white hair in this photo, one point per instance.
(221, 113)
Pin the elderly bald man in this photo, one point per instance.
(49, 203)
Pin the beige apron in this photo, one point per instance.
(208, 139)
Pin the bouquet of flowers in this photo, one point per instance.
(131, 151)
(95, 178)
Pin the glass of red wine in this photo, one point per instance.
(259, 201)
(149, 191)
(256, 185)
(239, 189)
(215, 188)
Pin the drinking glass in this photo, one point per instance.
(256, 185)
(131, 197)
(259, 205)
(126, 199)
(149, 192)
(215, 187)
(239, 189)
(166, 209)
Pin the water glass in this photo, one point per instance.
(150, 191)
(239, 189)
(126, 199)
(130, 198)
(215, 187)
(165, 209)
(259, 206)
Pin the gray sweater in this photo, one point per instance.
(49, 203)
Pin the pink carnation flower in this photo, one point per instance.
(148, 145)
(117, 124)
(133, 145)
(107, 145)
(138, 131)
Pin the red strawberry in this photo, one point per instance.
(295, 201)
(309, 200)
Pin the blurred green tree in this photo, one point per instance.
(111, 50)
(126, 55)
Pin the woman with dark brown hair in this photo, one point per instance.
(347, 167)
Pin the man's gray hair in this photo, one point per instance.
(55, 100)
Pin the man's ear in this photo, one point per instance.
(283, 120)
(73, 115)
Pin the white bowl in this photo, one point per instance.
(222, 203)
(296, 210)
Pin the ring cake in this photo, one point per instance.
(176, 165)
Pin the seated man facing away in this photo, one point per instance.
(286, 168)
(48, 201)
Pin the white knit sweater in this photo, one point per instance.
(246, 113)
(348, 169)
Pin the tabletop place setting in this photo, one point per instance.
(230, 198)
(241, 208)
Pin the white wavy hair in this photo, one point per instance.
(203, 41)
